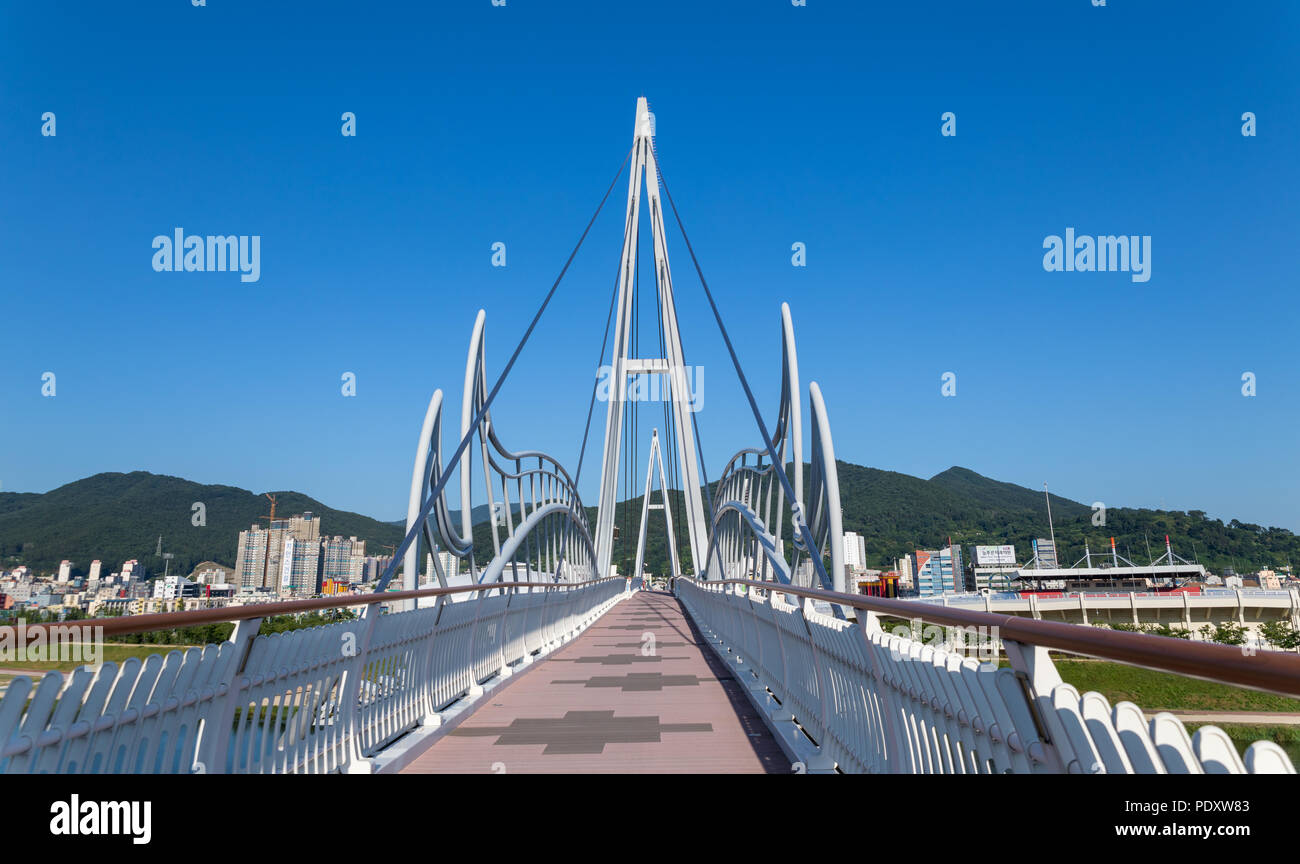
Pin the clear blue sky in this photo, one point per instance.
(775, 124)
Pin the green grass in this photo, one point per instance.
(1152, 690)
(1287, 737)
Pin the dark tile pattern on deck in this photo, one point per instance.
(688, 715)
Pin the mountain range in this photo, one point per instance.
(115, 517)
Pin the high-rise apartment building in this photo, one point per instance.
(343, 559)
(855, 552)
(285, 557)
(450, 566)
(374, 567)
(300, 566)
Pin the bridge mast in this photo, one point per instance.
(673, 366)
(674, 564)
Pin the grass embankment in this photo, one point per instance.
(115, 653)
(1153, 690)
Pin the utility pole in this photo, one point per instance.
(1056, 553)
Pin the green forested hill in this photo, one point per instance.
(994, 493)
(114, 517)
(897, 513)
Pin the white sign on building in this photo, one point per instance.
(994, 556)
(286, 564)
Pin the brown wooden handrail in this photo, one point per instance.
(1273, 671)
(122, 624)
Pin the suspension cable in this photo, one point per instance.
(668, 452)
(604, 341)
(805, 531)
(591, 405)
(416, 527)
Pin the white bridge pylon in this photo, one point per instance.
(656, 457)
(645, 168)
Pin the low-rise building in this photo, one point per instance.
(174, 587)
(998, 578)
(108, 607)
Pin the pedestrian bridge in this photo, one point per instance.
(543, 660)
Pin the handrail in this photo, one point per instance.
(1265, 670)
(173, 620)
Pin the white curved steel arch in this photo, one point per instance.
(754, 487)
(788, 414)
(824, 489)
(494, 570)
(546, 487)
(727, 536)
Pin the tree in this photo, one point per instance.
(1168, 631)
(1229, 633)
(1281, 634)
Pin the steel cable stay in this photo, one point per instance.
(825, 511)
(434, 491)
(591, 404)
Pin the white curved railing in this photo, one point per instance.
(750, 503)
(319, 700)
(849, 696)
(516, 485)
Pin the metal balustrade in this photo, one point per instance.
(318, 700)
(848, 695)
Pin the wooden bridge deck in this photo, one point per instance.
(602, 705)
